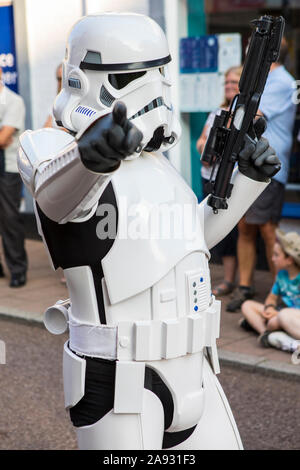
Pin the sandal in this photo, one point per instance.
(224, 288)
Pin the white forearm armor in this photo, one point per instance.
(216, 226)
(51, 167)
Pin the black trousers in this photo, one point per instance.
(11, 225)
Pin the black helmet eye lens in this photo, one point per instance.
(120, 80)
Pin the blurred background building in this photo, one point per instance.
(32, 43)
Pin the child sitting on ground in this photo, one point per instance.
(275, 315)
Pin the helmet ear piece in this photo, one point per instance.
(75, 88)
(76, 81)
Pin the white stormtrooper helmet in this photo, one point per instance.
(114, 57)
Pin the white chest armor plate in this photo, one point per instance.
(157, 267)
(159, 225)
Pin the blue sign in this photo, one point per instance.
(8, 61)
(199, 54)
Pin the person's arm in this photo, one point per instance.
(202, 139)
(270, 306)
(12, 120)
(260, 113)
(6, 134)
(204, 135)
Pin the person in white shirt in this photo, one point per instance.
(12, 123)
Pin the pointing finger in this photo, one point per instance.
(119, 113)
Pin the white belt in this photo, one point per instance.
(94, 341)
(148, 340)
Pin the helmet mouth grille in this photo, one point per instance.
(105, 97)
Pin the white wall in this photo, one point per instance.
(48, 24)
(176, 28)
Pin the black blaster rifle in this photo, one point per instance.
(224, 143)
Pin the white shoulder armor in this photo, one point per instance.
(39, 147)
(51, 167)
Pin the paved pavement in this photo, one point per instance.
(236, 347)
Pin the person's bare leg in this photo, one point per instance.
(252, 311)
(227, 285)
(289, 320)
(230, 266)
(246, 249)
(268, 234)
(273, 324)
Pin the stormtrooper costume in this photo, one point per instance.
(139, 367)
